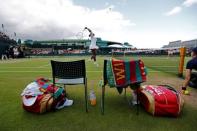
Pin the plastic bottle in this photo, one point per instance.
(92, 98)
(134, 98)
(100, 83)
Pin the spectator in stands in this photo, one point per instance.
(170, 52)
(11, 52)
(93, 47)
(21, 53)
(191, 76)
(5, 55)
(16, 52)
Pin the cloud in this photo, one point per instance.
(106, 4)
(178, 9)
(189, 3)
(57, 19)
(174, 11)
(121, 2)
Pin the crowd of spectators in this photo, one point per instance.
(3, 36)
(13, 52)
(66, 51)
(6, 39)
(41, 51)
(50, 51)
(9, 48)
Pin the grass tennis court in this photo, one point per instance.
(16, 74)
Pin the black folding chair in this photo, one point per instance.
(70, 73)
(105, 81)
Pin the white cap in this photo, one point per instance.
(29, 101)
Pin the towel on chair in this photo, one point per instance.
(122, 73)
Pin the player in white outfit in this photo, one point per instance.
(93, 47)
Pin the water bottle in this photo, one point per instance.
(134, 98)
(92, 98)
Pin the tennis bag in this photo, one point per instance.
(161, 100)
(41, 96)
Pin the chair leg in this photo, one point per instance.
(125, 97)
(86, 96)
(125, 93)
(65, 91)
(103, 100)
(53, 92)
(137, 101)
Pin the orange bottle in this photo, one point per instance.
(92, 98)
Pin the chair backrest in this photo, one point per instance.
(68, 70)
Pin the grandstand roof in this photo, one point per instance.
(179, 43)
(86, 42)
(61, 41)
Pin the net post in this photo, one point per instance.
(181, 62)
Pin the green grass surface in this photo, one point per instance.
(16, 74)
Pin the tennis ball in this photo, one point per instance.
(186, 92)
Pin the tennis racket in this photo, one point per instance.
(80, 35)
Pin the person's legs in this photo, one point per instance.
(4, 57)
(91, 57)
(193, 80)
(7, 55)
(93, 54)
(94, 57)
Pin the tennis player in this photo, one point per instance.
(93, 47)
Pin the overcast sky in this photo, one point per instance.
(142, 23)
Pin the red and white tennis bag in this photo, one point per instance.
(161, 100)
(41, 96)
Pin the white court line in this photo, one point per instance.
(50, 71)
(22, 67)
(162, 66)
(38, 71)
(45, 66)
(13, 61)
(42, 66)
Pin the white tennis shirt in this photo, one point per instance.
(93, 43)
